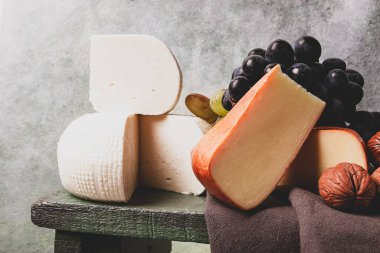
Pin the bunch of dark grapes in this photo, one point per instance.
(331, 81)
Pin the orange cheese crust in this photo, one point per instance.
(203, 153)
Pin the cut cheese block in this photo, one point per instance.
(324, 148)
(243, 157)
(166, 142)
(98, 157)
(133, 74)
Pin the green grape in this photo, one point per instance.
(216, 103)
(199, 105)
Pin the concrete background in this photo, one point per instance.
(44, 72)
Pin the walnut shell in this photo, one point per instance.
(376, 178)
(347, 187)
(373, 146)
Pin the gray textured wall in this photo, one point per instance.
(44, 71)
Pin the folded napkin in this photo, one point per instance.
(290, 221)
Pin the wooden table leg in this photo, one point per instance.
(66, 242)
(138, 245)
(71, 242)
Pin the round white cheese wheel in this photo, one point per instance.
(133, 74)
(98, 156)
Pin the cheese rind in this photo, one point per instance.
(98, 156)
(133, 74)
(166, 142)
(243, 157)
(325, 147)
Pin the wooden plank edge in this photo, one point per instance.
(187, 227)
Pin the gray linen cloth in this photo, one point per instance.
(291, 221)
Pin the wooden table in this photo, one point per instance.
(148, 223)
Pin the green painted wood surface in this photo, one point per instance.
(150, 214)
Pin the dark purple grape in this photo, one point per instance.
(237, 72)
(270, 66)
(336, 82)
(253, 67)
(334, 63)
(349, 111)
(226, 101)
(355, 77)
(280, 51)
(307, 49)
(377, 119)
(238, 87)
(324, 121)
(300, 73)
(257, 51)
(330, 122)
(319, 71)
(232, 102)
(353, 95)
(332, 114)
(365, 119)
(341, 124)
(362, 131)
(376, 115)
(318, 90)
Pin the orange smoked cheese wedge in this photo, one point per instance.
(243, 157)
(325, 147)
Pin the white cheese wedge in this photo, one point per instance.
(165, 143)
(133, 74)
(98, 156)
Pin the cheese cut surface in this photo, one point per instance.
(133, 74)
(165, 163)
(243, 157)
(98, 156)
(325, 147)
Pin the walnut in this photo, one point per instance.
(347, 187)
(376, 177)
(373, 146)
